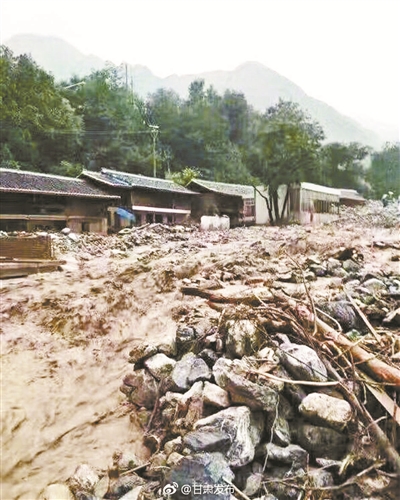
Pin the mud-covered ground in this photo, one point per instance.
(65, 336)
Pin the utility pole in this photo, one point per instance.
(154, 130)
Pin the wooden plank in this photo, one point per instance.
(26, 248)
(14, 269)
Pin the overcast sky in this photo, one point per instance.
(344, 52)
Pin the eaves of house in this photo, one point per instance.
(124, 180)
(24, 182)
(223, 188)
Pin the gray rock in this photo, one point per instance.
(242, 338)
(144, 388)
(325, 410)
(174, 458)
(318, 270)
(232, 376)
(214, 395)
(199, 370)
(320, 478)
(253, 484)
(302, 362)
(124, 484)
(84, 478)
(209, 356)
(281, 431)
(200, 469)
(207, 438)
(332, 264)
(160, 365)
(180, 373)
(141, 352)
(292, 455)
(84, 495)
(168, 347)
(343, 312)
(56, 491)
(134, 494)
(187, 371)
(175, 445)
(351, 266)
(125, 460)
(374, 285)
(321, 442)
(73, 237)
(243, 428)
(186, 338)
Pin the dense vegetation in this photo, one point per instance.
(62, 128)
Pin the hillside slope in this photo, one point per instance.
(262, 86)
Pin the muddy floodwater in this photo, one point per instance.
(60, 402)
(65, 336)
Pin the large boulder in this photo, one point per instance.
(56, 491)
(143, 388)
(214, 395)
(202, 475)
(160, 365)
(242, 428)
(302, 362)
(232, 376)
(84, 478)
(326, 410)
(321, 442)
(208, 438)
(343, 312)
(292, 455)
(187, 371)
(242, 338)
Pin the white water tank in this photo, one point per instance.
(214, 223)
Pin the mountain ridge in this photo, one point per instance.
(262, 86)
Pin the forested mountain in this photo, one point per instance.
(261, 86)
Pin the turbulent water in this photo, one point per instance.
(65, 338)
(65, 344)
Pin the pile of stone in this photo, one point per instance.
(231, 410)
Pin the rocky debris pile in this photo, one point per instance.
(90, 244)
(372, 214)
(262, 400)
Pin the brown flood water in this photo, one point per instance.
(60, 402)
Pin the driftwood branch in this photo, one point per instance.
(377, 369)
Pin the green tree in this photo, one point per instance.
(384, 172)
(185, 176)
(343, 165)
(288, 146)
(39, 127)
(116, 134)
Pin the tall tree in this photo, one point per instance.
(343, 165)
(384, 172)
(288, 143)
(39, 127)
(115, 133)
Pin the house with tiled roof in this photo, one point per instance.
(32, 200)
(351, 198)
(146, 199)
(237, 201)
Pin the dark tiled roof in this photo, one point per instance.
(20, 181)
(125, 180)
(351, 194)
(224, 188)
